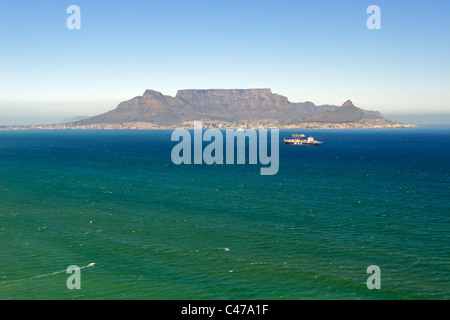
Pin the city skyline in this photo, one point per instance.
(317, 51)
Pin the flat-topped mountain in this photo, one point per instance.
(219, 104)
(231, 105)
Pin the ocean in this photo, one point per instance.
(140, 227)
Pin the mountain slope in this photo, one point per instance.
(346, 113)
(227, 105)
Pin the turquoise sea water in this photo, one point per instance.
(159, 231)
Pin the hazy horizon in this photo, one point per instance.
(416, 119)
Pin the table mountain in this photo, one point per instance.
(224, 104)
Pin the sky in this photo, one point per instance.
(308, 50)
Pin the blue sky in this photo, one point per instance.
(311, 50)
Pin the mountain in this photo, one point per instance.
(152, 106)
(346, 113)
(225, 105)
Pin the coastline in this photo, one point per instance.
(208, 124)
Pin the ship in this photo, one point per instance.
(298, 139)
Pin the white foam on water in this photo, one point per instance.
(62, 271)
(47, 274)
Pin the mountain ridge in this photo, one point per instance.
(230, 105)
(348, 112)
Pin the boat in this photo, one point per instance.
(297, 140)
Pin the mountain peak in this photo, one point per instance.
(154, 93)
(225, 105)
(348, 103)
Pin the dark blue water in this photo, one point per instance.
(159, 231)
